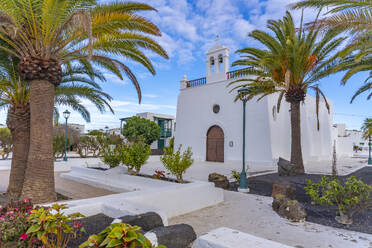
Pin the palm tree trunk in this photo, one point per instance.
(39, 177)
(18, 121)
(296, 149)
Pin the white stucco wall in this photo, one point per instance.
(267, 136)
(267, 133)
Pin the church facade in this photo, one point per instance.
(210, 122)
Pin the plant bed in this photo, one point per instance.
(98, 168)
(262, 185)
(4, 200)
(167, 179)
(155, 176)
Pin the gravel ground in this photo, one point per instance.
(262, 185)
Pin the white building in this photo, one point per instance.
(210, 122)
(78, 127)
(167, 125)
(346, 140)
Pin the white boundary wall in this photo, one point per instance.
(228, 238)
(166, 198)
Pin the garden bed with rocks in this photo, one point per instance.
(175, 236)
(263, 185)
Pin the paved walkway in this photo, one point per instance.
(253, 214)
(71, 189)
(201, 169)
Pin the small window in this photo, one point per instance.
(216, 108)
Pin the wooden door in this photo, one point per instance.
(215, 144)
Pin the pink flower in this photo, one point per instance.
(28, 207)
(2, 217)
(23, 236)
(29, 212)
(27, 200)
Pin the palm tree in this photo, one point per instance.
(290, 64)
(15, 96)
(354, 17)
(367, 128)
(44, 35)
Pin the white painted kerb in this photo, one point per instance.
(228, 238)
(166, 198)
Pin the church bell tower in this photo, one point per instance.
(217, 63)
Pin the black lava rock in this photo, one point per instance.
(176, 236)
(92, 225)
(146, 221)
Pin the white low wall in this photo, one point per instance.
(166, 198)
(228, 238)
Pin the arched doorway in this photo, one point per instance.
(215, 144)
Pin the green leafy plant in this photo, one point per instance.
(235, 175)
(135, 155)
(14, 224)
(119, 235)
(137, 128)
(59, 145)
(177, 163)
(350, 198)
(112, 155)
(5, 142)
(52, 227)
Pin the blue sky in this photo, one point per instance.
(189, 29)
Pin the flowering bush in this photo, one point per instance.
(119, 235)
(14, 224)
(52, 227)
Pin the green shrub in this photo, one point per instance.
(112, 156)
(135, 155)
(119, 235)
(59, 145)
(177, 163)
(235, 175)
(52, 227)
(350, 198)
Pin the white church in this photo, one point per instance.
(210, 122)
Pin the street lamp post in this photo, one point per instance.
(243, 95)
(66, 114)
(369, 150)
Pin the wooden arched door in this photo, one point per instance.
(215, 144)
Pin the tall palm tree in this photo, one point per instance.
(354, 17)
(367, 128)
(290, 64)
(15, 95)
(45, 35)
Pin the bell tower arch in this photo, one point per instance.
(217, 63)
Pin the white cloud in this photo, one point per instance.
(150, 95)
